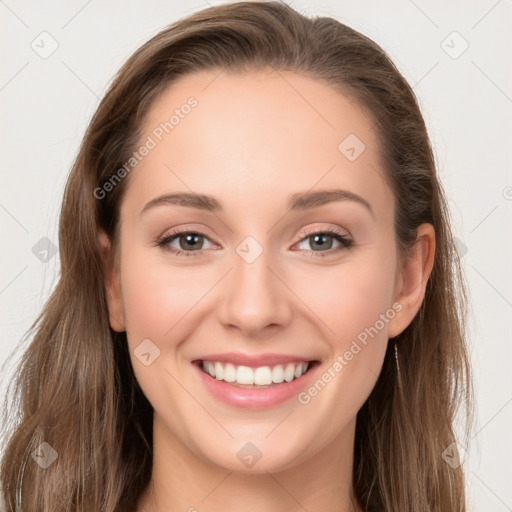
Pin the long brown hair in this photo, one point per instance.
(75, 388)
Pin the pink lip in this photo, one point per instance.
(239, 359)
(262, 398)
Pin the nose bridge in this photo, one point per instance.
(256, 298)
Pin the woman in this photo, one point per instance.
(309, 352)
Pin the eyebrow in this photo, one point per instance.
(296, 202)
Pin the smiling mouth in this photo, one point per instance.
(262, 377)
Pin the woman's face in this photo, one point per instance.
(272, 262)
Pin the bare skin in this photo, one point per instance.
(251, 142)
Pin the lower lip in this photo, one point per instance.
(262, 398)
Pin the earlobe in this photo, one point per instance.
(413, 278)
(112, 285)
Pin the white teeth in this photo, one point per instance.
(229, 372)
(289, 373)
(261, 376)
(219, 371)
(244, 374)
(278, 373)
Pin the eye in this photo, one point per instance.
(324, 240)
(189, 243)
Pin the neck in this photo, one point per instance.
(184, 481)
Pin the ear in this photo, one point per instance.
(412, 279)
(112, 285)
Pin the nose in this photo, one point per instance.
(254, 297)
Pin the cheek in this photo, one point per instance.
(351, 297)
(354, 302)
(356, 309)
(157, 297)
(161, 303)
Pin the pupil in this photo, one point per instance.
(190, 239)
(322, 243)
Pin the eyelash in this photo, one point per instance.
(346, 243)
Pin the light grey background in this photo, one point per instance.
(466, 99)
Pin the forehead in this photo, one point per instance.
(274, 107)
(266, 131)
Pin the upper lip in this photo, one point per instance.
(253, 361)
